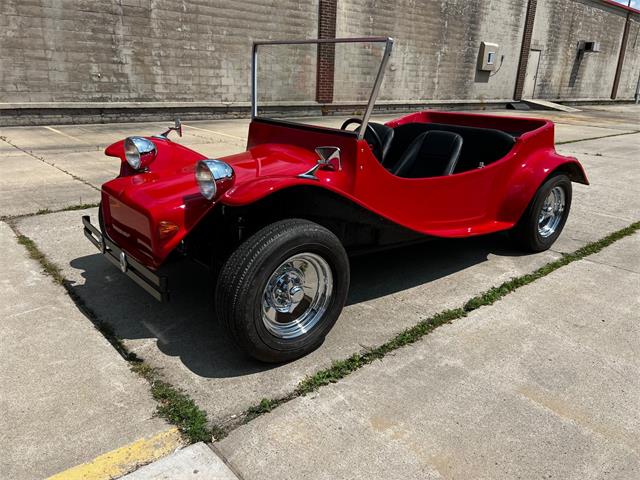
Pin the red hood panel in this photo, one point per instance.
(135, 203)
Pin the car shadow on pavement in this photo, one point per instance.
(387, 272)
(186, 326)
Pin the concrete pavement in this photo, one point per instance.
(194, 462)
(184, 341)
(66, 395)
(542, 384)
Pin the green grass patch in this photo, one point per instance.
(48, 267)
(265, 406)
(176, 407)
(339, 369)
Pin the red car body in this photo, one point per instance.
(277, 222)
(137, 205)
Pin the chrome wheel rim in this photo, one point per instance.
(551, 212)
(297, 295)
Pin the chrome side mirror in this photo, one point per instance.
(177, 128)
(327, 155)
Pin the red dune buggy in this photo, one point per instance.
(279, 220)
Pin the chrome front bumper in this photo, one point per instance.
(154, 284)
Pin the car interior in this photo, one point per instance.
(421, 150)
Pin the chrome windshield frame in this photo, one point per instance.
(388, 41)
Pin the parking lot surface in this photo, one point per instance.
(67, 395)
(469, 359)
(541, 385)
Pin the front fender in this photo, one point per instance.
(530, 176)
(252, 191)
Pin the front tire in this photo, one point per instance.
(283, 289)
(546, 215)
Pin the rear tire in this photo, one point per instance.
(545, 217)
(282, 290)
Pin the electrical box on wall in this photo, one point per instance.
(488, 56)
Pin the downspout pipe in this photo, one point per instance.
(623, 49)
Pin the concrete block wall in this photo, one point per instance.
(140, 50)
(436, 50)
(197, 52)
(564, 73)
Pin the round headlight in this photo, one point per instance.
(139, 152)
(213, 176)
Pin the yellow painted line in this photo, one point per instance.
(55, 130)
(125, 459)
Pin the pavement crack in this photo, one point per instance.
(616, 267)
(597, 138)
(41, 159)
(46, 211)
(342, 368)
(173, 404)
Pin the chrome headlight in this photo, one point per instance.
(139, 152)
(212, 176)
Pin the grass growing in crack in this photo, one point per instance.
(176, 407)
(48, 267)
(339, 369)
(70, 208)
(265, 406)
(173, 404)
(45, 211)
(51, 269)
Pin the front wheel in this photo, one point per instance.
(283, 289)
(544, 219)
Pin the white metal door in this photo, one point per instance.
(531, 77)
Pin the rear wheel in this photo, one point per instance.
(283, 289)
(546, 215)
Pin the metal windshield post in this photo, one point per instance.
(254, 81)
(376, 86)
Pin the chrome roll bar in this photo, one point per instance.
(388, 41)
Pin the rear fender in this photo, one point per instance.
(530, 176)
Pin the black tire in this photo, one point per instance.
(526, 233)
(246, 273)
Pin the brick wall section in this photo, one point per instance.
(526, 46)
(142, 50)
(326, 52)
(563, 73)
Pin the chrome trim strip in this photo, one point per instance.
(376, 86)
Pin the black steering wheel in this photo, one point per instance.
(377, 146)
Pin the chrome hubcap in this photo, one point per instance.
(297, 295)
(551, 212)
